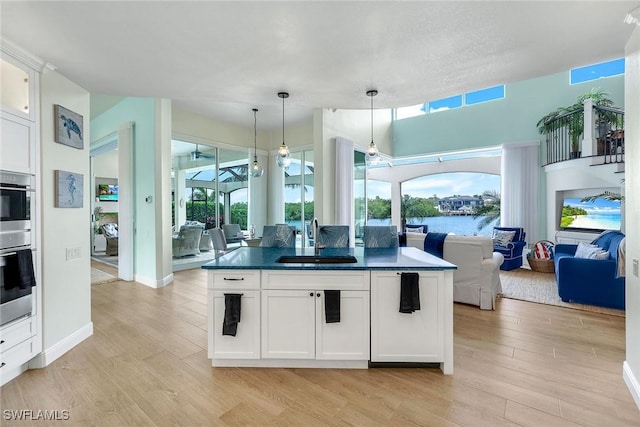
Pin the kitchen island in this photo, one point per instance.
(283, 304)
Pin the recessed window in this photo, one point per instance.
(445, 104)
(411, 111)
(483, 95)
(597, 71)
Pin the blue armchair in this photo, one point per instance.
(591, 281)
(512, 251)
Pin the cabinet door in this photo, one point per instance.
(400, 337)
(17, 149)
(349, 338)
(288, 324)
(246, 343)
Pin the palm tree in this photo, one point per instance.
(489, 211)
(411, 207)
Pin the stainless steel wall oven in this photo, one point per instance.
(17, 276)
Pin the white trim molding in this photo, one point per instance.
(24, 56)
(632, 382)
(147, 281)
(52, 353)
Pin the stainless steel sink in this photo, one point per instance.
(312, 259)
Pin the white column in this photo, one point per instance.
(395, 204)
(343, 191)
(125, 202)
(589, 142)
(181, 198)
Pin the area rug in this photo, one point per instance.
(98, 277)
(107, 259)
(527, 285)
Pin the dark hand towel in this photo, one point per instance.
(231, 314)
(409, 292)
(434, 242)
(19, 270)
(332, 306)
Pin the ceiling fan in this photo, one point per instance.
(195, 155)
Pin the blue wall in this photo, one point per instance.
(141, 111)
(512, 119)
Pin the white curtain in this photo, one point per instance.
(520, 198)
(343, 202)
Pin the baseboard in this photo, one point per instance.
(152, 283)
(632, 383)
(49, 355)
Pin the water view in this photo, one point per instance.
(460, 225)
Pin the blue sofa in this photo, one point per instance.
(591, 281)
(512, 252)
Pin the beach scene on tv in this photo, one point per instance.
(599, 214)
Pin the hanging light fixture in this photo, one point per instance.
(284, 157)
(256, 167)
(373, 156)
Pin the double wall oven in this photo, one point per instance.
(17, 277)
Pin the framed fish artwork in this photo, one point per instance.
(68, 127)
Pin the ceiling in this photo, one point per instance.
(220, 59)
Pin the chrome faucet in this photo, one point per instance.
(316, 243)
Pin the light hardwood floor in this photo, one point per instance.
(146, 364)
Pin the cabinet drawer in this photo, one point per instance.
(16, 333)
(11, 359)
(318, 280)
(234, 279)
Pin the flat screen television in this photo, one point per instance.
(108, 192)
(597, 215)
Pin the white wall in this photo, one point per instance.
(66, 284)
(632, 199)
(576, 178)
(106, 165)
(354, 125)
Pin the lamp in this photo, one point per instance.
(372, 156)
(256, 167)
(284, 157)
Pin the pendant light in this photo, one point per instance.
(372, 156)
(256, 167)
(284, 157)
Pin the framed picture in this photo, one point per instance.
(69, 189)
(68, 127)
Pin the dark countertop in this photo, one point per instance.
(258, 258)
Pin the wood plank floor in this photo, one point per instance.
(146, 364)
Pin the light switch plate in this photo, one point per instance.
(635, 267)
(73, 253)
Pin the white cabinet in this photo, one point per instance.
(17, 347)
(288, 324)
(246, 343)
(294, 326)
(349, 338)
(425, 335)
(17, 150)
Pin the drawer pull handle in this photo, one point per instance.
(310, 294)
(2, 365)
(233, 278)
(318, 294)
(1, 342)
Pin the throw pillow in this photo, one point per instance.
(586, 250)
(413, 230)
(502, 237)
(601, 254)
(542, 250)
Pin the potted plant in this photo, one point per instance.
(574, 122)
